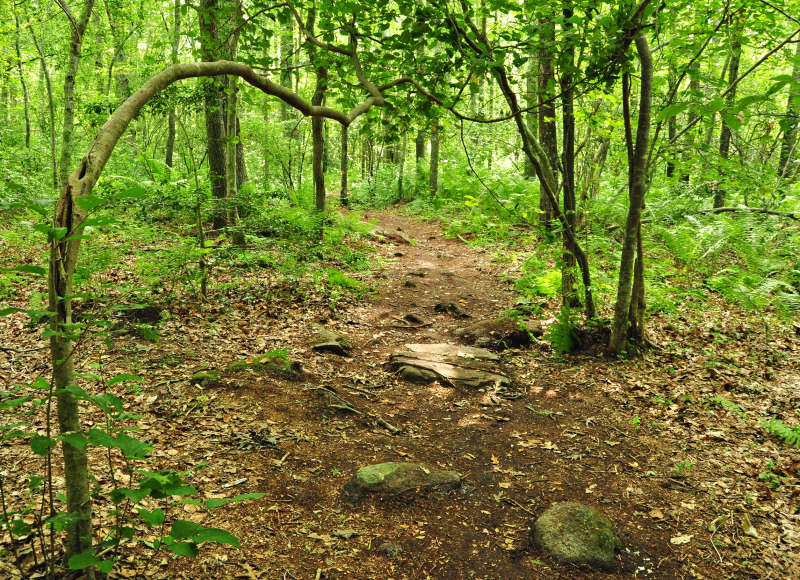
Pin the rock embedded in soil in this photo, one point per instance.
(270, 364)
(454, 364)
(499, 334)
(390, 549)
(392, 479)
(325, 340)
(573, 533)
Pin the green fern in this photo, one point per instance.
(790, 435)
(728, 404)
(562, 334)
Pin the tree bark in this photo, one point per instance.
(343, 166)
(22, 81)
(51, 108)
(547, 116)
(433, 177)
(637, 176)
(215, 130)
(730, 99)
(789, 142)
(176, 40)
(75, 47)
(567, 64)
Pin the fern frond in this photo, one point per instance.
(790, 435)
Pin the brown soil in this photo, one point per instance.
(607, 433)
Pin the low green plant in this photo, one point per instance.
(138, 499)
(790, 435)
(562, 334)
(684, 467)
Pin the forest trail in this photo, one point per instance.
(645, 441)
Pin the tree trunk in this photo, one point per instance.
(317, 124)
(547, 116)
(420, 147)
(433, 177)
(176, 40)
(68, 125)
(22, 81)
(730, 99)
(51, 109)
(401, 159)
(343, 166)
(215, 131)
(790, 123)
(637, 176)
(531, 117)
(567, 64)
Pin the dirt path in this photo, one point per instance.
(644, 441)
(518, 457)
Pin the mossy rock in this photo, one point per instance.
(392, 479)
(271, 365)
(325, 340)
(573, 533)
(205, 378)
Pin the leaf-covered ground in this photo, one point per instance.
(670, 444)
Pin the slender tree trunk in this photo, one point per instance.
(637, 176)
(79, 503)
(420, 147)
(694, 90)
(547, 114)
(433, 177)
(790, 123)
(343, 166)
(568, 295)
(22, 81)
(730, 99)
(215, 131)
(532, 117)
(401, 154)
(176, 41)
(74, 59)
(232, 133)
(51, 109)
(317, 123)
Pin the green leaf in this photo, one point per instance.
(125, 377)
(87, 558)
(731, 120)
(671, 111)
(77, 440)
(188, 549)
(101, 438)
(184, 529)
(215, 535)
(152, 518)
(42, 445)
(215, 503)
(89, 202)
(132, 447)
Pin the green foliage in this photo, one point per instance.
(547, 284)
(562, 334)
(146, 502)
(791, 435)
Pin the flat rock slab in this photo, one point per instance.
(325, 340)
(499, 334)
(393, 479)
(463, 366)
(398, 235)
(577, 534)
